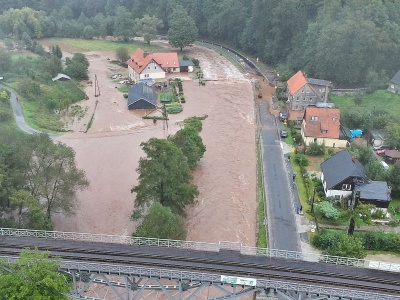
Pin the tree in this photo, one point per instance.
(162, 223)
(18, 21)
(392, 135)
(34, 276)
(52, 176)
(77, 67)
(164, 177)
(182, 29)
(122, 54)
(393, 179)
(147, 26)
(327, 209)
(191, 144)
(56, 51)
(5, 61)
(123, 24)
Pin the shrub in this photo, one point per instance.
(5, 116)
(125, 95)
(327, 210)
(315, 149)
(174, 109)
(301, 160)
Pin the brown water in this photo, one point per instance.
(110, 151)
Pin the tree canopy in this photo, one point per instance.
(182, 29)
(164, 177)
(33, 276)
(162, 223)
(147, 27)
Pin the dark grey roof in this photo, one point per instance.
(340, 167)
(396, 78)
(318, 82)
(374, 190)
(142, 91)
(185, 63)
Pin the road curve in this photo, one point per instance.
(19, 117)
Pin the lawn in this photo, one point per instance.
(380, 100)
(102, 45)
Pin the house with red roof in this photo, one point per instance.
(322, 125)
(303, 91)
(144, 65)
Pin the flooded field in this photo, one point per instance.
(109, 153)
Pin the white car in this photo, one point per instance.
(124, 82)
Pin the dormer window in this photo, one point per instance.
(346, 187)
(324, 131)
(167, 63)
(314, 118)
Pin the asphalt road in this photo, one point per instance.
(279, 189)
(19, 117)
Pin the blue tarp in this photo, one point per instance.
(356, 133)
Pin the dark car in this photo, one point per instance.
(283, 133)
(283, 116)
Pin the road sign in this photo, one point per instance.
(238, 280)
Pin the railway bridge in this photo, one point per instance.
(124, 267)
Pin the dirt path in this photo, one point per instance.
(110, 151)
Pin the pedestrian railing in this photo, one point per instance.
(200, 246)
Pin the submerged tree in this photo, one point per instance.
(164, 177)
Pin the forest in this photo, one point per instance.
(349, 42)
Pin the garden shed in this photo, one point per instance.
(374, 192)
(142, 96)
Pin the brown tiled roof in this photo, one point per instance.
(139, 60)
(296, 82)
(392, 154)
(327, 119)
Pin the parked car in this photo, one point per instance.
(283, 116)
(283, 133)
(124, 82)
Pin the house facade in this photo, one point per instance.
(303, 91)
(394, 83)
(342, 174)
(143, 65)
(322, 125)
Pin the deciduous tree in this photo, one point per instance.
(147, 26)
(124, 24)
(164, 177)
(52, 176)
(122, 54)
(162, 223)
(182, 28)
(34, 276)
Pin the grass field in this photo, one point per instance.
(101, 45)
(380, 100)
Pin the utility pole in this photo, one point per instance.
(96, 87)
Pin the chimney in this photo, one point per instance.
(145, 54)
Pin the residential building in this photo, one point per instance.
(143, 65)
(303, 91)
(394, 83)
(322, 125)
(342, 174)
(142, 96)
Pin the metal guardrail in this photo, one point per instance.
(211, 247)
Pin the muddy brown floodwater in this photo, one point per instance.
(109, 153)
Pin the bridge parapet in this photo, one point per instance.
(200, 246)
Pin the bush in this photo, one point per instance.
(327, 209)
(301, 160)
(5, 116)
(174, 109)
(315, 149)
(380, 241)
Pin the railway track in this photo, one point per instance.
(227, 263)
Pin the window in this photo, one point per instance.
(314, 118)
(346, 187)
(146, 75)
(297, 98)
(324, 131)
(148, 67)
(155, 67)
